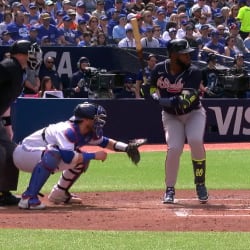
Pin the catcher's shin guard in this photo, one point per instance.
(70, 176)
(199, 167)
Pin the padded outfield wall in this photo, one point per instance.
(228, 120)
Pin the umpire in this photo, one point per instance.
(11, 84)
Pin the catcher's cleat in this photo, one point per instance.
(8, 199)
(169, 195)
(202, 193)
(58, 196)
(31, 203)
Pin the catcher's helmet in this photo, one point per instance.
(180, 46)
(89, 111)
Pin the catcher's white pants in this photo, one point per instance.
(26, 158)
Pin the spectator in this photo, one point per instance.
(170, 5)
(158, 36)
(247, 42)
(181, 32)
(17, 28)
(120, 7)
(47, 69)
(45, 41)
(81, 11)
(34, 16)
(31, 81)
(234, 31)
(143, 79)
(147, 19)
(149, 41)
(6, 38)
(202, 21)
(128, 90)
(138, 6)
(113, 21)
(196, 15)
(233, 14)
(171, 35)
(192, 41)
(50, 8)
(15, 7)
(214, 46)
(59, 16)
(69, 35)
(93, 27)
(129, 40)
(50, 30)
(244, 18)
(203, 38)
(90, 5)
(46, 85)
(119, 31)
(160, 20)
(223, 33)
(40, 5)
(86, 41)
(33, 35)
(241, 76)
(230, 49)
(99, 10)
(205, 9)
(81, 29)
(101, 39)
(7, 19)
(103, 24)
(72, 14)
(225, 12)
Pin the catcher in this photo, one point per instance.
(58, 148)
(183, 117)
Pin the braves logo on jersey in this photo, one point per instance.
(171, 87)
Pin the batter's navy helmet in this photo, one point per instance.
(180, 46)
(89, 111)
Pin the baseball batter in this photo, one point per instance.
(183, 116)
(58, 148)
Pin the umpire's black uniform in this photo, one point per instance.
(11, 85)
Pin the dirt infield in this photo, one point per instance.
(227, 210)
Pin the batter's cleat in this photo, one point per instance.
(59, 196)
(30, 203)
(8, 199)
(169, 195)
(202, 193)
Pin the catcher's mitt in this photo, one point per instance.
(132, 150)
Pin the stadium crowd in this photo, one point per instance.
(211, 26)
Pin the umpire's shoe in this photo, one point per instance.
(8, 199)
(169, 195)
(202, 193)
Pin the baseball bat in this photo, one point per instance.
(137, 37)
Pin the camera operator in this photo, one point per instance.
(79, 82)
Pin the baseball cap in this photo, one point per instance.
(149, 28)
(172, 30)
(196, 8)
(49, 3)
(160, 11)
(32, 6)
(204, 27)
(129, 80)
(214, 33)
(71, 12)
(6, 32)
(103, 17)
(33, 28)
(60, 13)
(45, 16)
(67, 18)
(190, 27)
(233, 26)
(66, 2)
(128, 27)
(16, 4)
(130, 16)
(80, 4)
(122, 16)
(118, 1)
(81, 21)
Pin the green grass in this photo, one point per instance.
(225, 170)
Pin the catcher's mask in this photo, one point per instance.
(34, 56)
(91, 111)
